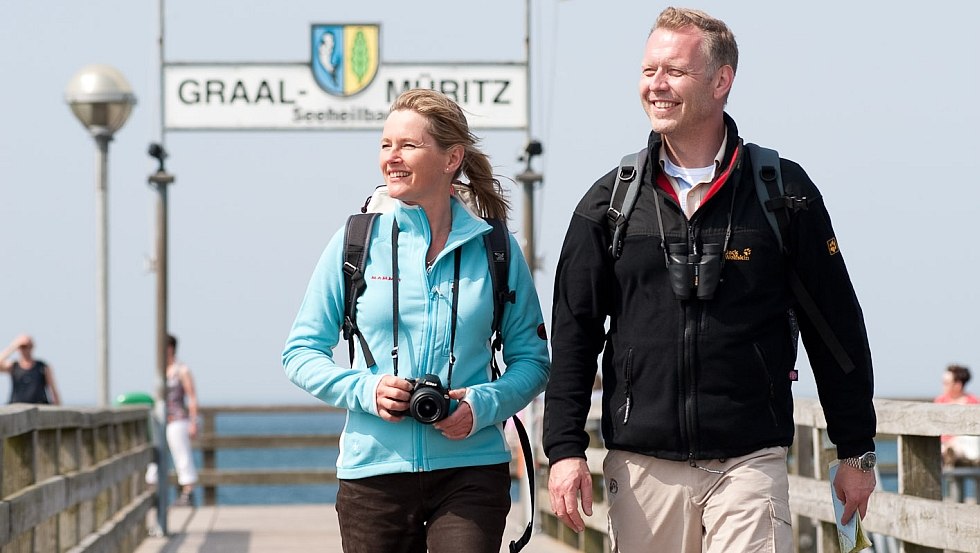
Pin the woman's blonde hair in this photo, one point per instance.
(448, 126)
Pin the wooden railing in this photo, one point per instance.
(73, 479)
(210, 477)
(916, 518)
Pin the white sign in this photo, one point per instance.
(287, 96)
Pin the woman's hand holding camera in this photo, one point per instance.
(459, 424)
(391, 397)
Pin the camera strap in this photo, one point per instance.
(394, 306)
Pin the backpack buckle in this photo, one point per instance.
(627, 173)
(615, 216)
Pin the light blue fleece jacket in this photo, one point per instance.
(370, 446)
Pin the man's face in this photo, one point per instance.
(676, 90)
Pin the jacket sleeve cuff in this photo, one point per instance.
(855, 449)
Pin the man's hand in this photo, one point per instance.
(567, 479)
(459, 424)
(391, 396)
(853, 487)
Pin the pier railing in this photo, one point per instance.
(73, 479)
(210, 477)
(916, 519)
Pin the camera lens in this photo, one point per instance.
(426, 410)
(428, 406)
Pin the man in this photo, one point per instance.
(31, 380)
(700, 352)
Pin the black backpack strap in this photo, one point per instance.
(769, 189)
(519, 543)
(357, 240)
(623, 198)
(497, 243)
(777, 206)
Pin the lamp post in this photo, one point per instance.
(159, 181)
(102, 100)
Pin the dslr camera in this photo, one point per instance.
(429, 402)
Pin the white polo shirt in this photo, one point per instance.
(691, 183)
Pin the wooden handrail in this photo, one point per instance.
(917, 516)
(74, 478)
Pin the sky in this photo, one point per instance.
(876, 100)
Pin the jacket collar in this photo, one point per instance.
(655, 141)
(466, 224)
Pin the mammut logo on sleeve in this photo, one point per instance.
(735, 255)
(542, 333)
(832, 246)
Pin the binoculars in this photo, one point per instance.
(694, 274)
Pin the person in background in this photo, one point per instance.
(698, 359)
(181, 425)
(958, 450)
(408, 484)
(31, 380)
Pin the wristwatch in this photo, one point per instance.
(865, 462)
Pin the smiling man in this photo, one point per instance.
(697, 288)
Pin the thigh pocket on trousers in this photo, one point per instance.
(782, 526)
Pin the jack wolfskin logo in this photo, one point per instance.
(735, 255)
(344, 58)
(832, 246)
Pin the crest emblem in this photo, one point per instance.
(344, 58)
(832, 248)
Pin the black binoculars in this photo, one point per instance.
(694, 274)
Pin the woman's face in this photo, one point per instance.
(414, 167)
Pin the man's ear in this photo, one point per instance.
(723, 81)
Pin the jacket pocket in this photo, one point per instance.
(623, 413)
(771, 395)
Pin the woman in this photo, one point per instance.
(405, 485)
(181, 425)
(31, 380)
(958, 450)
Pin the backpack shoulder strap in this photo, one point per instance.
(357, 240)
(768, 185)
(623, 198)
(777, 207)
(497, 243)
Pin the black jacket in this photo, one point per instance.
(701, 379)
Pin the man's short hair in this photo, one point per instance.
(172, 341)
(719, 46)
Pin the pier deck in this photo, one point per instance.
(276, 529)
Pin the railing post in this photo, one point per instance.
(804, 531)
(207, 456)
(920, 474)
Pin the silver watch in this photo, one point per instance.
(865, 462)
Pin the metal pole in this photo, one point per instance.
(161, 59)
(159, 181)
(528, 187)
(102, 139)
